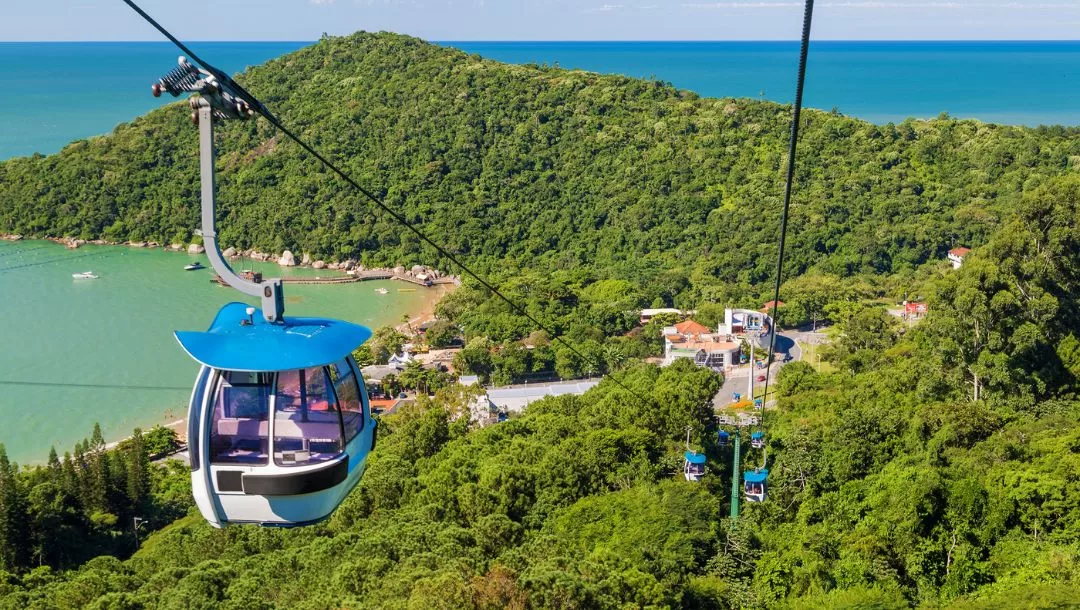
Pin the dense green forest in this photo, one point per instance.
(936, 465)
(85, 504)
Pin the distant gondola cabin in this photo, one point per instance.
(694, 466)
(722, 438)
(755, 485)
(757, 440)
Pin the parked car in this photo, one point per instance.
(761, 378)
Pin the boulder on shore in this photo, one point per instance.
(287, 259)
(399, 269)
(319, 264)
(195, 249)
(229, 252)
(306, 259)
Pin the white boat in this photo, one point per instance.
(85, 275)
(382, 290)
(194, 266)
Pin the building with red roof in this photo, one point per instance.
(956, 256)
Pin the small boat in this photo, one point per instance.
(194, 266)
(85, 275)
(382, 291)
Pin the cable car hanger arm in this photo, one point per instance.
(217, 100)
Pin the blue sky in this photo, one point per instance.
(545, 19)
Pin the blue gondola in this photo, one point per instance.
(722, 438)
(279, 426)
(757, 440)
(755, 484)
(693, 466)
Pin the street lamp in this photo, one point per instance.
(136, 523)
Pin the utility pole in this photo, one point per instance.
(735, 477)
(750, 378)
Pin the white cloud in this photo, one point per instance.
(607, 8)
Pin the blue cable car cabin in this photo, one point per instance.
(757, 440)
(279, 425)
(755, 484)
(722, 438)
(693, 466)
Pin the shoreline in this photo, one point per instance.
(348, 268)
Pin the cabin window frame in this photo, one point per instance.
(211, 405)
(331, 395)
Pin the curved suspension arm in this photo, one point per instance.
(269, 291)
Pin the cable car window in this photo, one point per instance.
(239, 430)
(307, 421)
(348, 394)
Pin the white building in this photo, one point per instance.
(688, 339)
(649, 314)
(755, 326)
(956, 256)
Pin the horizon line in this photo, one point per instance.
(574, 40)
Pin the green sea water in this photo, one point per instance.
(75, 352)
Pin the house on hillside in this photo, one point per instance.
(956, 256)
(649, 314)
(689, 339)
(769, 306)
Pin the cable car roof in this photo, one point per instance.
(695, 458)
(297, 343)
(756, 476)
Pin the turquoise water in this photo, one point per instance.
(56, 92)
(1019, 83)
(73, 352)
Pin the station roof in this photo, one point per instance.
(295, 344)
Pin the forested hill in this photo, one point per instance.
(540, 167)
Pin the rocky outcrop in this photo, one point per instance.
(319, 265)
(306, 260)
(287, 259)
(195, 249)
(229, 252)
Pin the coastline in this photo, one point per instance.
(418, 274)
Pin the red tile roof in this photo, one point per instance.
(690, 327)
(959, 251)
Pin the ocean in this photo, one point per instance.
(58, 92)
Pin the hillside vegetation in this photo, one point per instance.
(936, 465)
(541, 168)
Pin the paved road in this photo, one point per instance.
(735, 379)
